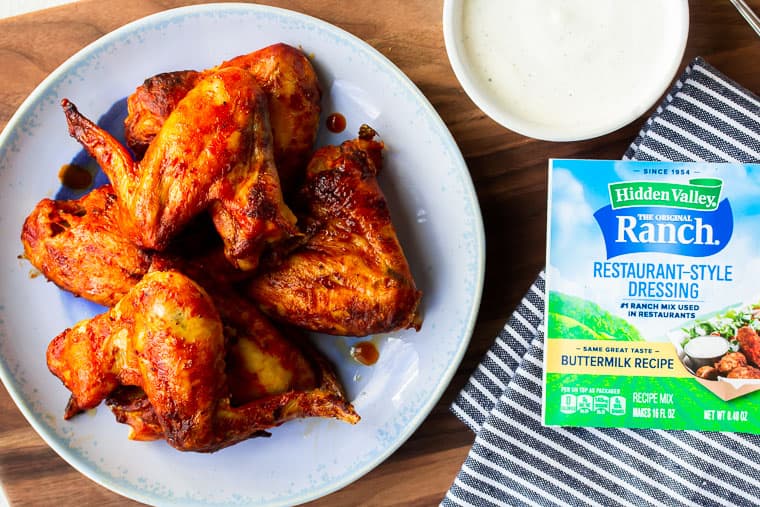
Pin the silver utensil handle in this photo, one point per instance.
(748, 14)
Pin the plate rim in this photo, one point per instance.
(31, 101)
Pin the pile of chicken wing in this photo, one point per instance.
(741, 364)
(222, 238)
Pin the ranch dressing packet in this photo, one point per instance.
(653, 295)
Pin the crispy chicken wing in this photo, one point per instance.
(290, 378)
(730, 361)
(351, 276)
(214, 151)
(744, 372)
(260, 361)
(166, 338)
(152, 102)
(283, 72)
(78, 246)
(707, 372)
(749, 344)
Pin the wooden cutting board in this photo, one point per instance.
(508, 171)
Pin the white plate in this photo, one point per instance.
(431, 199)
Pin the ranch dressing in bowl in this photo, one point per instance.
(706, 350)
(565, 69)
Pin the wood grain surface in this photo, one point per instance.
(509, 172)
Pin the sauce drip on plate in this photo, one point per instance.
(336, 123)
(365, 353)
(75, 177)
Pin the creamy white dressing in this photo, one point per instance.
(706, 347)
(579, 64)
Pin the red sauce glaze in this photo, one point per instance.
(365, 352)
(336, 123)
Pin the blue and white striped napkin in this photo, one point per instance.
(517, 461)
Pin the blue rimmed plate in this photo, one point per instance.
(432, 201)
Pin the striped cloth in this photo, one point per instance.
(515, 460)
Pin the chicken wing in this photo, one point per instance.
(707, 372)
(749, 344)
(78, 246)
(744, 372)
(166, 337)
(283, 72)
(730, 361)
(351, 277)
(151, 103)
(214, 151)
(292, 378)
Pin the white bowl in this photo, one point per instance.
(706, 350)
(582, 83)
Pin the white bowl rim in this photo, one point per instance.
(516, 124)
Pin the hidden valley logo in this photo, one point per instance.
(655, 216)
